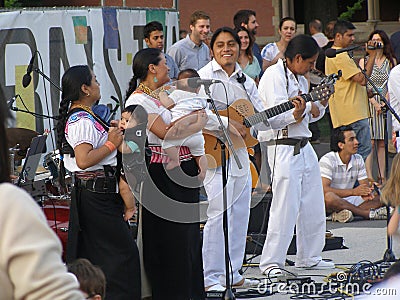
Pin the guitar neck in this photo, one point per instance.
(273, 111)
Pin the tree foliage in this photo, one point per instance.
(351, 10)
(22, 3)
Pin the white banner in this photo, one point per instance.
(106, 39)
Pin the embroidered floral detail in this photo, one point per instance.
(83, 114)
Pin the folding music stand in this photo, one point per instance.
(27, 176)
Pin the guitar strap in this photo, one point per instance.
(242, 79)
(285, 131)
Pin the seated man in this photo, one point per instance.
(340, 169)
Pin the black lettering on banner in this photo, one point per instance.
(138, 36)
(57, 56)
(19, 36)
(109, 69)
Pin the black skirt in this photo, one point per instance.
(98, 232)
(171, 233)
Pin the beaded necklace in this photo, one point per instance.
(89, 110)
(84, 107)
(145, 89)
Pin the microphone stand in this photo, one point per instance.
(222, 140)
(47, 78)
(33, 113)
(388, 255)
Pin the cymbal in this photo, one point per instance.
(21, 136)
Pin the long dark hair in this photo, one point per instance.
(140, 66)
(249, 50)
(4, 154)
(301, 44)
(387, 46)
(71, 82)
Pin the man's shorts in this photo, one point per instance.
(355, 200)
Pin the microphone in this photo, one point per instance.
(11, 101)
(330, 52)
(196, 82)
(26, 80)
(241, 79)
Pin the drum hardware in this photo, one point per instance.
(56, 210)
(38, 184)
(51, 162)
(12, 152)
(36, 189)
(22, 137)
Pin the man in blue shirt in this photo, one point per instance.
(191, 52)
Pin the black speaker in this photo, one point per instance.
(259, 213)
(255, 243)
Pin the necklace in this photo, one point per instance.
(90, 111)
(145, 89)
(84, 107)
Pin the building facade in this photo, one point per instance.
(375, 14)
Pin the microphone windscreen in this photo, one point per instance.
(193, 82)
(330, 52)
(26, 80)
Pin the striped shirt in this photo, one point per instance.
(340, 175)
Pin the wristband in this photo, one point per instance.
(110, 146)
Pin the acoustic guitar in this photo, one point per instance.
(242, 111)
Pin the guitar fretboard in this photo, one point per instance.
(273, 111)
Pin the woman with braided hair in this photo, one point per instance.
(97, 230)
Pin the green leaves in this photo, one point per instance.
(351, 10)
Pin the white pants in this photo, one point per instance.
(238, 191)
(298, 200)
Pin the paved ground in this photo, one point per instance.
(366, 241)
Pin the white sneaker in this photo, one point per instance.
(272, 271)
(246, 284)
(216, 288)
(378, 214)
(343, 216)
(322, 265)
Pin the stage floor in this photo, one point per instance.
(366, 240)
